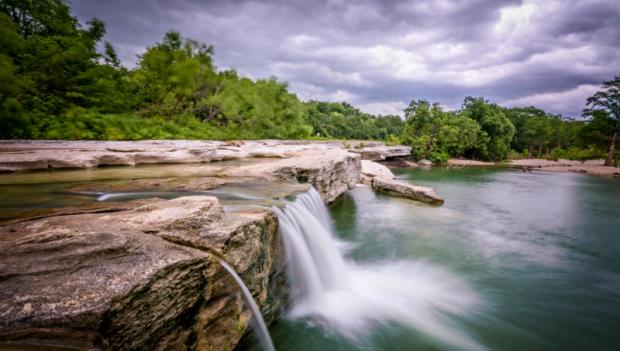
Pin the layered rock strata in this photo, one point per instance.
(141, 278)
(39, 155)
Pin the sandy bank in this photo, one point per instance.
(466, 162)
(592, 167)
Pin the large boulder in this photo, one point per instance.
(400, 188)
(147, 277)
(371, 169)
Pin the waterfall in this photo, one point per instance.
(351, 299)
(263, 333)
(311, 250)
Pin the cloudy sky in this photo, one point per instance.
(379, 55)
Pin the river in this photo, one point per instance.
(512, 261)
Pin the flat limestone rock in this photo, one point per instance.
(331, 172)
(380, 152)
(400, 188)
(24, 155)
(371, 169)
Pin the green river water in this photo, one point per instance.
(541, 252)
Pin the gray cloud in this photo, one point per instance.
(382, 54)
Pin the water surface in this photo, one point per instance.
(24, 193)
(540, 251)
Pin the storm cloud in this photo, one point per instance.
(379, 55)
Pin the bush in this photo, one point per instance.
(78, 123)
(515, 155)
(575, 153)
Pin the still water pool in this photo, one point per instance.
(535, 255)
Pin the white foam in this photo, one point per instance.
(350, 299)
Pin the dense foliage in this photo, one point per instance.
(56, 85)
(60, 82)
(604, 109)
(436, 134)
(343, 121)
(484, 130)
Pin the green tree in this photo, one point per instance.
(496, 130)
(56, 59)
(173, 76)
(343, 121)
(40, 17)
(538, 133)
(436, 134)
(11, 111)
(604, 108)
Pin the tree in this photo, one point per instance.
(496, 130)
(56, 59)
(173, 76)
(40, 17)
(605, 103)
(436, 134)
(343, 121)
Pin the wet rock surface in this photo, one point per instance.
(331, 172)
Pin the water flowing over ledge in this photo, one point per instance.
(350, 299)
(262, 332)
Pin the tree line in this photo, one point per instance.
(61, 82)
(486, 131)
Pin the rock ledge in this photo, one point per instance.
(414, 192)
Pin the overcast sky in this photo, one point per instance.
(379, 55)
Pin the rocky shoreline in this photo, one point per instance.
(145, 274)
(593, 167)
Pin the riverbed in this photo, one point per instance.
(512, 261)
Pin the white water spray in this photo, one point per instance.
(350, 299)
(263, 333)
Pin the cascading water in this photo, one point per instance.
(350, 299)
(263, 333)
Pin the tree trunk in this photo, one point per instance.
(612, 148)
